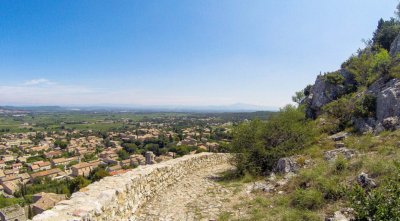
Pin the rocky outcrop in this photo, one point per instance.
(365, 181)
(387, 107)
(118, 197)
(345, 214)
(390, 123)
(387, 93)
(333, 154)
(291, 164)
(385, 90)
(339, 136)
(260, 186)
(323, 92)
(388, 101)
(339, 145)
(364, 125)
(286, 165)
(271, 184)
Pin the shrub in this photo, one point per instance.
(334, 78)
(381, 62)
(394, 70)
(382, 203)
(4, 202)
(340, 165)
(78, 183)
(367, 66)
(122, 154)
(98, 174)
(331, 188)
(341, 110)
(307, 199)
(259, 145)
(365, 106)
(318, 179)
(301, 161)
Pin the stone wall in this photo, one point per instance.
(118, 197)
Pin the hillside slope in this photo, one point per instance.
(336, 155)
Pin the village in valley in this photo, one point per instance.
(42, 165)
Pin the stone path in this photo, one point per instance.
(196, 197)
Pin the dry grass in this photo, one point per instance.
(321, 189)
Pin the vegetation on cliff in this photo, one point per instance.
(338, 101)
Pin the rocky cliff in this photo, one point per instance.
(324, 91)
(385, 90)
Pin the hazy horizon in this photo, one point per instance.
(132, 107)
(175, 53)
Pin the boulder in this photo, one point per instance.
(364, 125)
(365, 181)
(339, 136)
(333, 154)
(286, 165)
(260, 186)
(339, 145)
(345, 214)
(378, 128)
(390, 123)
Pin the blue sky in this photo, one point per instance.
(175, 52)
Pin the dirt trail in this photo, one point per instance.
(198, 196)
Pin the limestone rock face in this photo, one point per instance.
(286, 165)
(385, 90)
(365, 125)
(395, 46)
(387, 95)
(388, 101)
(323, 92)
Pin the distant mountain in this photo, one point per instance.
(34, 108)
(239, 107)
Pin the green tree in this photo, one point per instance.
(98, 174)
(385, 33)
(381, 62)
(130, 147)
(123, 155)
(61, 143)
(78, 183)
(298, 97)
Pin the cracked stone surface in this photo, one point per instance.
(197, 196)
